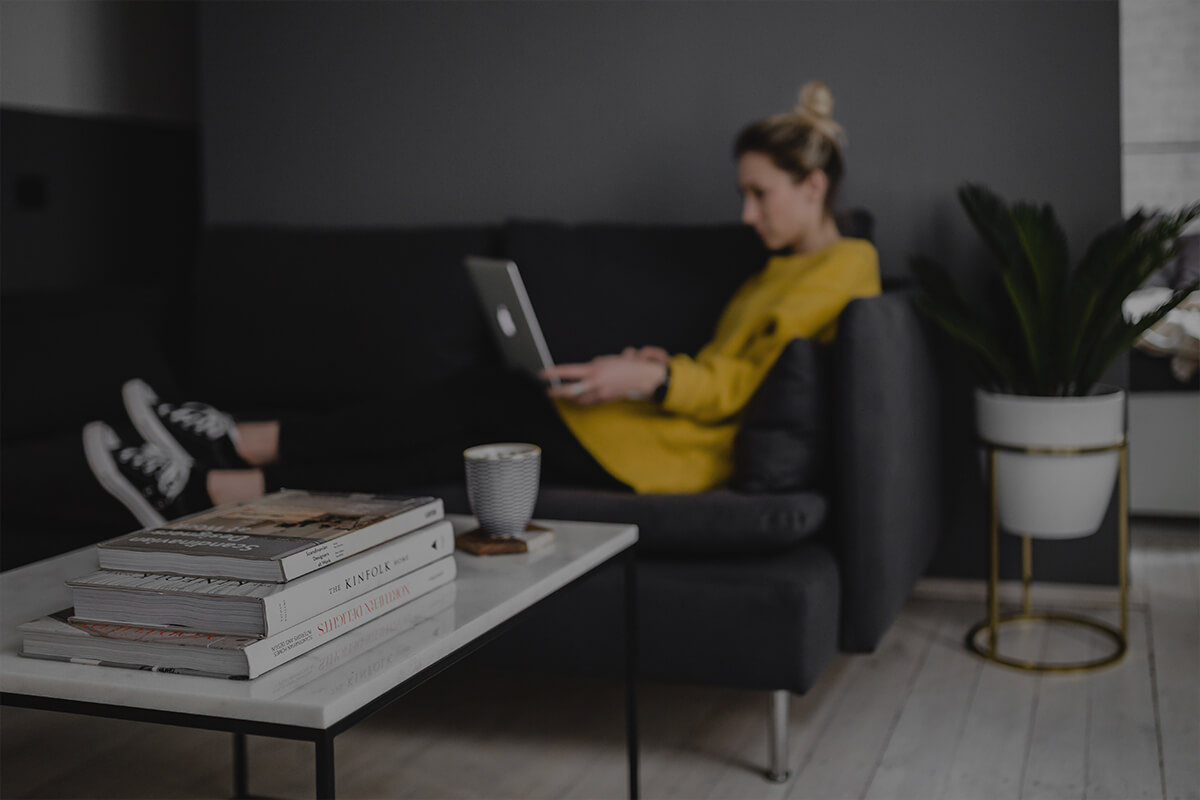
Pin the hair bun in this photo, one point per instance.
(815, 110)
(816, 101)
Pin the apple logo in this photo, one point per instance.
(505, 320)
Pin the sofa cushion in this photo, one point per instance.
(305, 319)
(766, 621)
(706, 524)
(783, 442)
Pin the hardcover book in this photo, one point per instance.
(274, 538)
(192, 652)
(365, 652)
(223, 605)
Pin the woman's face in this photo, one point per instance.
(783, 211)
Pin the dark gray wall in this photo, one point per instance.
(122, 58)
(98, 147)
(93, 201)
(415, 113)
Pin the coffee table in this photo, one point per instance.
(337, 685)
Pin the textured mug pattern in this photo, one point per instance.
(502, 485)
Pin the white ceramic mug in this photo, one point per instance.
(502, 485)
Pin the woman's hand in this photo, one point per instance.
(655, 354)
(632, 375)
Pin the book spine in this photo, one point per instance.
(268, 653)
(326, 588)
(326, 553)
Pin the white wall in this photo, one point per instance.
(128, 59)
(1160, 168)
(1160, 104)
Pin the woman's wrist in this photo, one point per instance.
(660, 391)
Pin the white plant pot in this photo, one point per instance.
(1053, 496)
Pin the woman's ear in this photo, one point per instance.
(816, 183)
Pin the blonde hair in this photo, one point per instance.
(799, 141)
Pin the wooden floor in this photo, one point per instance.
(920, 718)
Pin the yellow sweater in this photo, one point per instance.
(686, 444)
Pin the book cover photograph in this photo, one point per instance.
(296, 514)
(274, 538)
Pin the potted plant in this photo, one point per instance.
(1038, 344)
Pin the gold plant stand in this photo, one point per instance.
(995, 619)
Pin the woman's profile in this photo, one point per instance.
(643, 420)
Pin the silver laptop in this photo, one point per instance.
(509, 313)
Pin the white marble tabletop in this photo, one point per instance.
(321, 687)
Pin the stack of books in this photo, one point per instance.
(238, 590)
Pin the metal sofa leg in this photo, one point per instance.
(777, 737)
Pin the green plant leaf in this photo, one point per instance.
(1024, 302)
(941, 302)
(1105, 257)
(1018, 319)
(1044, 247)
(1047, 329)
(1121, 336)
(1046, 264)
(989, 215)
(1124, 257)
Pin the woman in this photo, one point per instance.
(644, 419)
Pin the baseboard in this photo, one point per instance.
(1042, 594)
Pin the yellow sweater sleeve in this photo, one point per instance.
(795, 296)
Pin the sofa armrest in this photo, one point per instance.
(887, 497)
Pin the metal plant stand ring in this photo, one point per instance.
(993, 622)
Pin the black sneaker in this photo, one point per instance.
(149, 481)
(192, 431)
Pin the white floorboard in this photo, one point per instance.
(1056, 747)
(919, 718)
(917, 757)
(1123, 757)
(991, 752)
(1174, 629)
(844, 756)
(713, 746)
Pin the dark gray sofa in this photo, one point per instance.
(745, 589)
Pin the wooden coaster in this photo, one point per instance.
(478, 543)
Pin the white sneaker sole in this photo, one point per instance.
(98, 441)
(140, 400)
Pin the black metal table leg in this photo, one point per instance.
(631, 670)
(325, 774)
(241, 781)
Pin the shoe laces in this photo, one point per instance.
(169, 474)
(199, 418)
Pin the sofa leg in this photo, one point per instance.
(777, 737)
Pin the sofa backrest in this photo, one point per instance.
(599, 288)
(302, 319)
(66, 354)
